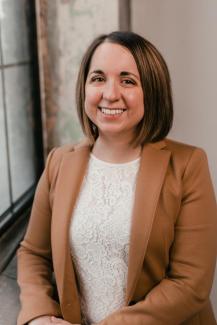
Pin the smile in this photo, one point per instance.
(108, 111)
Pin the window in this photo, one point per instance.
(18, 95)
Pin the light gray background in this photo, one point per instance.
(185, 33)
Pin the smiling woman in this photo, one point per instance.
(113, 92)
(127, 220)
(139, 69)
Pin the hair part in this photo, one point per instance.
(155, 81)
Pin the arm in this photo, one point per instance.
(34, 258)
(186, 288)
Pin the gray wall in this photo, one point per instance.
(185, 33)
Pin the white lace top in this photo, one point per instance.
(99, 236)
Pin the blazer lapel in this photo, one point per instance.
(70, 178)
(150, 179)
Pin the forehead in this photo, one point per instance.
(111, 56)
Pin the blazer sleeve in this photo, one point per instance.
(34, 257)
(186, 288)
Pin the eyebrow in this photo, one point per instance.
(122, 74)
(126, 73)
(97, 72)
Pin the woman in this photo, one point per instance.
(127, 221)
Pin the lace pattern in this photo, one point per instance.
(99, 236)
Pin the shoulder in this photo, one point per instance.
(183, 155)
(183, 150)
(57, 154)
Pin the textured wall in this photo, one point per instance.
(65, 29)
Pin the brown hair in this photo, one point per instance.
(155, 81)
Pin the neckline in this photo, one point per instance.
(131, 162)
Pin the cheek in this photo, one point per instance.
(92, 97)
(136, 101)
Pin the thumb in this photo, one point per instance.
(55, 319)
(60, 321)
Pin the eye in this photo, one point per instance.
(97, 79)
(128, 82)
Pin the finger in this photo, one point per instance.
(56, 320)
(60, 321)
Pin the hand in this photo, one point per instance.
(60, 321)
(42, 320)
(49, 320)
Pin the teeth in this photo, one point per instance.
(111, 111)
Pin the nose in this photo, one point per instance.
(111, 91)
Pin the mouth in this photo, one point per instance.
(111, 111)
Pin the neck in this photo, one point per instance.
(117, 151)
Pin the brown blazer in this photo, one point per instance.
(172, 245)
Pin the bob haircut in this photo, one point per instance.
(155, 82)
